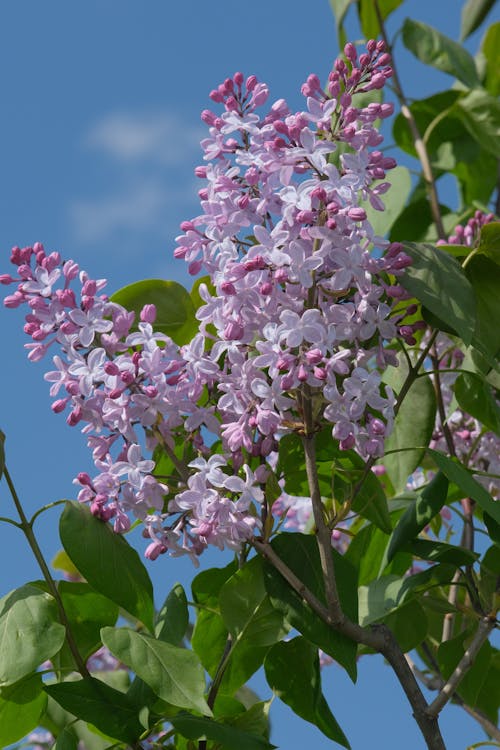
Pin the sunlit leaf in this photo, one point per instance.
(107, 561)
(175, 674)
(473, 14)
(175, 312)
(21, 706)
(433, 48)
(437, 280)
(29, 632)
(412, 427)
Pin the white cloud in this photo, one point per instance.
(161, 137)
(140, 207)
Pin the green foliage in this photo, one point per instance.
(29, 632)
(227, 737)
(419, 514)
(174, 674)
(464, 480)
(21, 705)
(300, 553)
(475, 397)
(437, 280)
(173, 618)
(293, 672)
(412, 429)
(473, 14)
(175, 311)
(122, 578)
(87, 612)
(433, 48)
(106, 708)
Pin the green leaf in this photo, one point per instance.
(246, 609)
(480, 113)
(368, 16)
(488, 582)
(21, 706)
(175, 312)
(428, 504)
(370, 500)
(488, 698)
(293, 673)
(110, 565)
(441, 552)
(475, 397)
(449, 655)
(340, 8)
(173, 618)
(29, 632)
(433, 48)
(106, 708)
(66, 740)
(413, 428)
(437, 280)
(489, 240)
(385, 595)
(175, 674)
(61, 561)
(87, 612)
(491, 51)
(198, 727)
(395, 200)
(409, 625)
(483, 275)
(210, 634)
(2, 452)
(300, 553)
(426, 112)
(255, 719)
(465, 481)
(473, 14)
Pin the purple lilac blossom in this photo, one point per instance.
(297, 300)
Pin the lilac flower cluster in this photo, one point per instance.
(297, 309)
(476, 447)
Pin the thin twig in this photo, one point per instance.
(28, 533)
(485, 627)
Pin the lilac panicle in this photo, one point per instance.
(298, 304)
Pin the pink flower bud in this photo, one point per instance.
(148, 314)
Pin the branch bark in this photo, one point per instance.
(486, 625)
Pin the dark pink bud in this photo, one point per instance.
(127, 377)
(266, 288)
(350, 51)
(357, 213)
(110, 368)
(228, 288)
(251, 83)
(84, 479)
(371, 45)
(6, 278)
(148, 314)
(59, 405)
(115, 393)
(238, 79)
(200, 171)
(319, 373)
(216, 96)
(233, 331)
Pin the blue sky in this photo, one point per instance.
(100, 133)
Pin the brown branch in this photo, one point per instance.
(436, 682)
(486, 625)
(377, 637)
